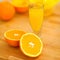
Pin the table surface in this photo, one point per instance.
(49, 33)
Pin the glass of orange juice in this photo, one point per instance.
(36, 14)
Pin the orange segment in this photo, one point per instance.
(31, 45)
(12, 37)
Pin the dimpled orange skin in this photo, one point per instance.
(7, 11)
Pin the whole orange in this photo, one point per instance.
(7, 11)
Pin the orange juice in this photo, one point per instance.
(36, 16)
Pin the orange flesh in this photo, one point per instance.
(14, 35)
(31, 45)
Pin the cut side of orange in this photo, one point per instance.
(31, 45)
(12, 37)
(21, 6)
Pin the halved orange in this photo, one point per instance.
(12, 37)
(31, 45)
(21, 6)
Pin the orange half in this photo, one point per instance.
(31, 45)
(21, 6)
(12, 37)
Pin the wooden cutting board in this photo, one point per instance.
(50, 35)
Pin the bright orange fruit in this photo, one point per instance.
(21, 6)
(21, 9)
(12, 37)
(7, 11)
(31, 45)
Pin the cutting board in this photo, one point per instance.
(49, 34)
